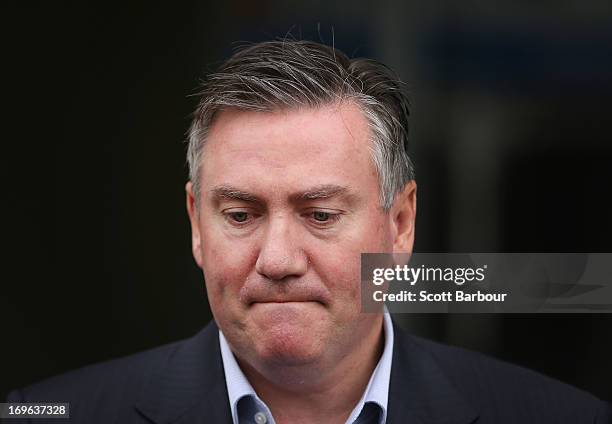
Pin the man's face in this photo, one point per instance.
(289, 200)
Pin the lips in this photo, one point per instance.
(282, 292)
(284, 301)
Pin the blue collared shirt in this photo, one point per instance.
(248, 408)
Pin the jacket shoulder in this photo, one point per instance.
(117, 377)
(109, 392)
(503, 389)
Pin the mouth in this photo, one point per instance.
(283, 302)
(305, 294)
(286, 303)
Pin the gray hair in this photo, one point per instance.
(284, 74)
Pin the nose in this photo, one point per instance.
(281, 253)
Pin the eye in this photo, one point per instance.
(239, 216)
(321, 216)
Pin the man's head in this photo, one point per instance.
(298, 164)
(290, 75)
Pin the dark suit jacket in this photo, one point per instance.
(430, 383)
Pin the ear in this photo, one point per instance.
(403, 215)
(194, 215)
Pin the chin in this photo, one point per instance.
(290, 341)
(289, 349)
(283, 334)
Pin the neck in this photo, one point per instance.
(320, 392)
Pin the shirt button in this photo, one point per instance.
(260, 418)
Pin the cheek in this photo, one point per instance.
(339, 269)
(340, 264)
(379, 237)
(226, 266)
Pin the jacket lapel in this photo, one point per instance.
(191, 387)
(419, 390)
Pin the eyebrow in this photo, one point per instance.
(324, 191)
(232, 193)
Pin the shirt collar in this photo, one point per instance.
(237, 384)
(377, 390)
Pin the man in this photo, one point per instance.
(298, 164)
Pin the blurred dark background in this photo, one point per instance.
(511, 139)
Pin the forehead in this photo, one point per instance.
(289, 149)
